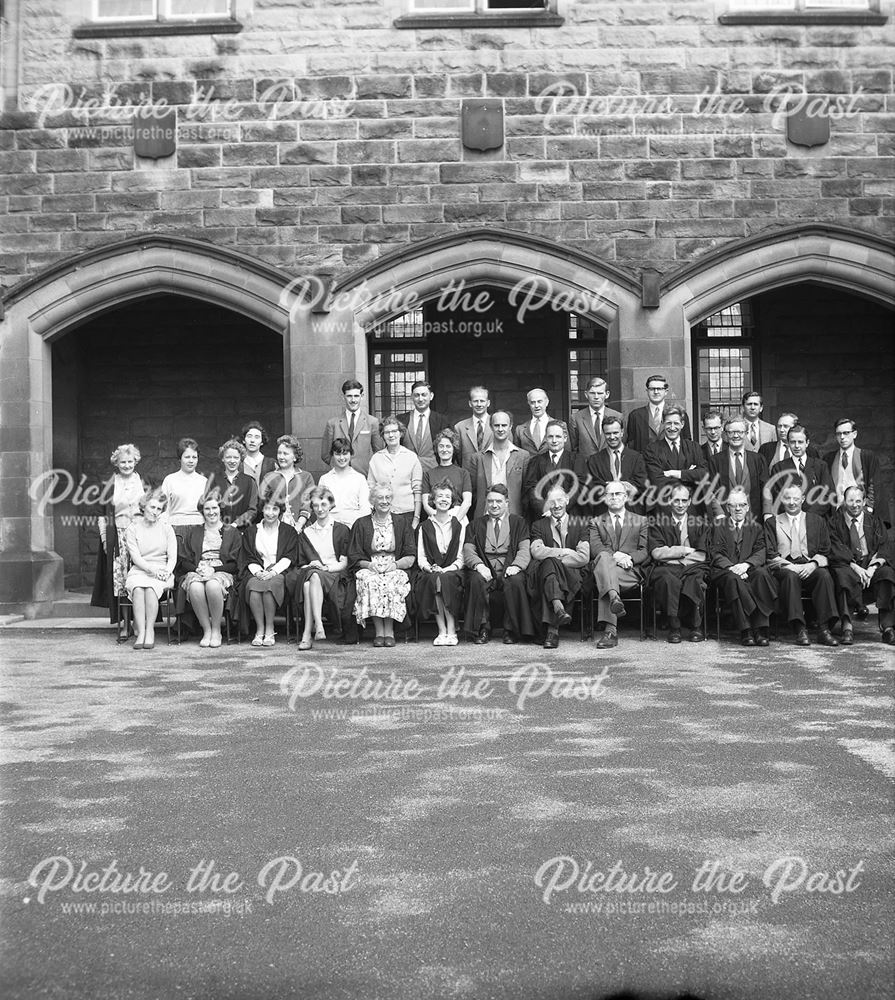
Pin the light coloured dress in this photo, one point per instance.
(381, 595)
(154, 544)
(211, 554)
(352, 494)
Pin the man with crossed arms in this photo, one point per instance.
(618, 545)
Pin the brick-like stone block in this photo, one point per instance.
(308, 152)
(428, 150)
(249, 154)
(320, 131)
(589, 210)
(652, 169)
(378, 151)
(325, 176)
(475, 214)
(374, 87)
(544, 172)
(27, 184)
(134, 201)
(525, 149)
(386, 129)
(351, 214)
(173, 92)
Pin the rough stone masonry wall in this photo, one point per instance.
(368, 158)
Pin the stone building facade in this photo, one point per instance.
(701, 189)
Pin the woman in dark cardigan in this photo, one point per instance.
(207, 565)
(267, 569)
(322, 568)
(438, 588)
(120, 498)
(239, 492)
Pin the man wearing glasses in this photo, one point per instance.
(738, 555)
(734, 466)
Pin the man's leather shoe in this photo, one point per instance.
(483, 636)
(746, 638)
(888, 636)
(552, 640)
(802, 637)
(674, 636)
(697, 635)
(848, 636)
(509, 638)
(607, 641)
(761, 638)
(617, 607)
(826, 638)
(562, 618)
(863, 613)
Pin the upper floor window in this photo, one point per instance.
(470, 6)
(478, 13)
(161, 10)
(798, 5)
(802, 12)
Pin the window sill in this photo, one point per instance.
(823, 17)
(138, 29)
(541, 19)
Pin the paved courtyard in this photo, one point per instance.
(230, 824)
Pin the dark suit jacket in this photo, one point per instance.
(719, 474)
(637, 430)
(522, 436)
(539, 466)
(366, 441)
(581, 431)
(875, 535)
(875, 495)
(517, 547)
(768, 450)
(360, 546)
(705, 449)
(722, 544)
(658, 459)
(816, 533)
(515, 470)
(437, 422)
(599, 469)
(578, 531)
(663, 531)
(634, 539)
(815, 480)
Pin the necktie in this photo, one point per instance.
(597, 429)
(675, 456)
(855, 538)
(655, 421)
(796, 544)
(617, 462)
(845, 460)
(554, 460)
(738, 463)
(479, 435)
(420, 423)
(536, 433)
(683, 527)
(496, 522)
(351, 427)
(738, 539)
(800, 463)
(753, 435)
(557, 532)
(618, 531)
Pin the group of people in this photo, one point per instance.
(490, 522)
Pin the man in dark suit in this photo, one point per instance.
(713, 429)
(672, 460)
(812, 474)
(557, 466)
(853, 466)
(862, 559)
(615, 462)
(359, 428)
(501, 462)
(777, 451)
(423, 424)
(496, 556)
(678, 546)
(738, 556)
(475, 431)
(798, 547)
(734, 466)
(619, 542)
(586, 429)
(758, 431)
(560, 552)
(531, 436)
(645, 423)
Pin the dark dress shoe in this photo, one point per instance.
(607, 641)
(483, 636)
(388, 641)
(674, 636)
(761, 638)
(509, 638)
(888, 636)
(697, 635)
(746, 638)
(562, 618)
(617, 607)
(379, 641)
(826, 638)
(863, 613)
(552, 640)
(848, 636)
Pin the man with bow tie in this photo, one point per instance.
(863, 562)
(738, 554)
(615, 462)
(798, 547)
(853, 466)
(619, 542)
(557, 466)
(678, 545)
(560, 552)
(496, 555)
(812, 474)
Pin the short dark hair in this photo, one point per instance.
(184, 443)
(254, 425)
(351, 383)
(445, 484)
(798, 429)
(420, 382)
(845, 420)
(273, 496)
(498, 488)
(711, 414)
(340, 446)
(749, 395)
(610, 419)
(657, 378)
(555, 423)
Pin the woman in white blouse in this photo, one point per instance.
(184, 489)
(349, 488)
(400, 468)
(439, 584)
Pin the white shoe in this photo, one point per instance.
(268, 640)
(439, 639)
(451, 639)
(258, 640)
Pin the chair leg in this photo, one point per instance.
(124, 613)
